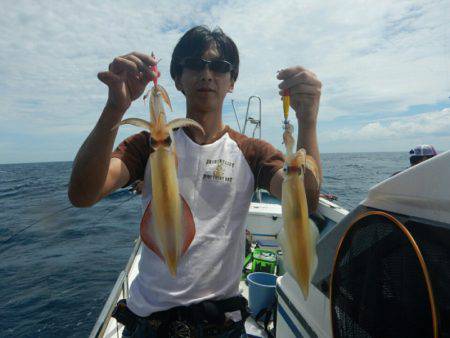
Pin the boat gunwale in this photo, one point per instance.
(121, 285)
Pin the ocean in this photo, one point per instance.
(57, 273)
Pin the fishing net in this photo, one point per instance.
(381, 288)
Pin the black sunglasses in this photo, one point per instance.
(198, 64)
(417, 159)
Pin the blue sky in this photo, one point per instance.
(385, 67)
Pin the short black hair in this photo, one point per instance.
(196, 41)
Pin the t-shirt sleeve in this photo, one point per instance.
(264, 160)
(134, 152)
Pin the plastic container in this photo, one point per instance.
(261, 291)
(264, 261)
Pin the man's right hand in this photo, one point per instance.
(126, 79)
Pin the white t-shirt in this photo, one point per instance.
(217, 181)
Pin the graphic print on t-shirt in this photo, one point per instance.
(219, 170)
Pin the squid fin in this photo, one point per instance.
(313, 257)
(147, 234)
(289, 263)
(188, 226)
(151, 241)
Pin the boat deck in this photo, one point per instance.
(263, 222)
(114, 328)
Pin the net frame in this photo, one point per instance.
(414, 246)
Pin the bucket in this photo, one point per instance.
(261, 291)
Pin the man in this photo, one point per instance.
(217, 172)
(421, 153)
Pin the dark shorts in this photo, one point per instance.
(144, 330)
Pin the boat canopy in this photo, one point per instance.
(421, 191)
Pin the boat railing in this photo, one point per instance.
(252, 120)
(120, 290)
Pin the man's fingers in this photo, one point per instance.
(132, 64)
(304, 77)
(145, 58)
(121, 64)
(289, 72)
(147, 73)
(302, 88)
(144, 72)
(108, 77)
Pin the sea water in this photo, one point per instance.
(55, 276)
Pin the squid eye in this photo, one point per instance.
(153, 142)
(285, 169)
(168, 141)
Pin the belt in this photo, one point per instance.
(182, 321)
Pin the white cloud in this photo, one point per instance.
(426, 124)
(371, 56)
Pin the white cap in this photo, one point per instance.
(423, 150)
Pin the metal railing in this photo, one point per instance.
(120, 287)
(252, 120)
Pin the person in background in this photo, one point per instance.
(421, 153)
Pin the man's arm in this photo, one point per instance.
(305, 90)
(94, 173)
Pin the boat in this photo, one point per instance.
(377, 262)
(264, 222)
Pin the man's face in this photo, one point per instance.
(205, 89)
(418, 159)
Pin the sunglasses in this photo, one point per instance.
(198, 64)
(417, 159)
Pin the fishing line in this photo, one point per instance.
(108, 211)
(36, 222)
(115, 207)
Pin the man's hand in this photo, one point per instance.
(126, 79)
(95, 174)
(305, 90)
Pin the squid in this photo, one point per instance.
(299, 234)
(167, 227)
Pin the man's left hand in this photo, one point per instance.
(305, 89)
